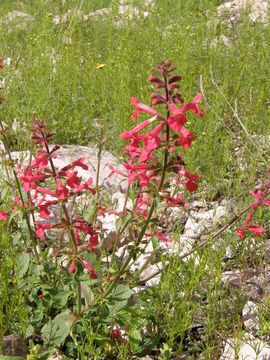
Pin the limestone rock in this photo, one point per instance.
(14, 345)
(198, 222)
(257, 10)
(251, 316)
(15, 14)
(248, 348)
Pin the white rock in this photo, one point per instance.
(192, 229)
(249, 348)
(251, 316)
(69, 153)
(109, 227)
(13, 15)
(257, 10)
(99, 12)
(231, 277)
(201, 221)
(236, 277)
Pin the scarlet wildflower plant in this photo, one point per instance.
(157, 181)
(261, 199)
(156, 174)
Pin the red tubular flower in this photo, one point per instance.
(29, 179)
(43, 208)
(240, 233)
(130, 133)
(61, 191)
(73, 180)
(256, 230)
(3, 215)
(115, 171)
(72, 267)
(41, 160)
(79, 162)
(190, 184)
(41, 229)
(141, 107)
(193, 106)
(177, 121)
(186, 139)
(85, 186)
(93, 275)
(163, 238)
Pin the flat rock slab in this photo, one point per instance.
(69, 153)
(257, 10)
(249, 348)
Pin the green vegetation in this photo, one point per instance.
(77, 73)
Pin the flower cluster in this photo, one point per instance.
(261, 199)
(160, 133)
(63, 185)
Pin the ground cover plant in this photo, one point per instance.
(61, 291)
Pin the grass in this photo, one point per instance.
(236, 82)
(79, 92)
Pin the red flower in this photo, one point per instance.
(41, 229)
(240, 233)
(93, 275)
(72, 267)
(256, 230)
(61, 191)
(40, 161)
(3, 215)
(43, 208)
(177, 120)
(129, 133)
(190, 184)
(186, 139)
(141, 107)
(78, 162)
(114, 334)
(73, 180)
(163, 238)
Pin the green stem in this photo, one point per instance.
(121, 229)
(70, 230)
(154, 203)
(25, 214)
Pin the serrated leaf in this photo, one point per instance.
(135, 338)
(22, 262)
(119, 299)
(121, 292)
(56, 331)
(29, 331)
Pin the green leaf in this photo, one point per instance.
(23, 261)
(29, 331)
(56, 331)
(118, 223)
(119, 299)
(61, 297)
(135, 338)
(122, 292)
